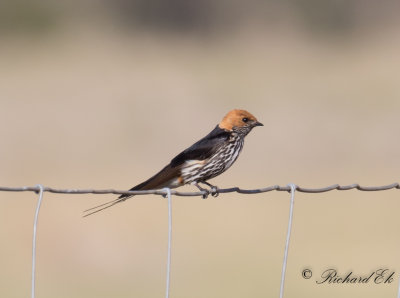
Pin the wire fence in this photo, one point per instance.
(166, 192)
(201, 193)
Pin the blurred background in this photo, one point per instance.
(102, 94)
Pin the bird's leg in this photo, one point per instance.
(206, 191)
(214, 189)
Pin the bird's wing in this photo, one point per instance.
(202, 149)
(162, 179)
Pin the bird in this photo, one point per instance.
(207, 158)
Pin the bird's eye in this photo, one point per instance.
(245, 119)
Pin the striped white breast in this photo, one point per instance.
(219, 162)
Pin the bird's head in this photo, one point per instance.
(239, 121)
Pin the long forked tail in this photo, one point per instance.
(167, 177)
(101, 207)
(109, 204)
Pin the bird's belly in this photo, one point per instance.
(192, 170)
(196, 170)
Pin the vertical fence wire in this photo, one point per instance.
(168, 281)
(41, 189)
(289, 230)
(398, 290)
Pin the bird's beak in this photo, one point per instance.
(258, 124)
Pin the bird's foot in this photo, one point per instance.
(213, 189)
(205, 191)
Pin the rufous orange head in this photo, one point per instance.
(239, 120)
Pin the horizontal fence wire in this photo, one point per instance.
(202, 193)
